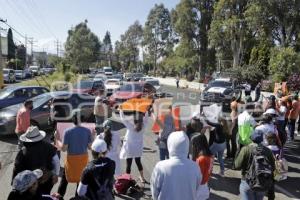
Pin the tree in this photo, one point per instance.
(192, 21)
(283, 63)
(21, 55)
(82, 47)
(107, 50)
(229, 27)
(158, 34)
(127, 50)
(11, 54)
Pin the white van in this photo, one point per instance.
(35, 70)
(108, 71)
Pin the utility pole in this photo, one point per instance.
(31, 41)
(1, 61)
(57, 44)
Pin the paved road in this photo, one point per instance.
(221, 187)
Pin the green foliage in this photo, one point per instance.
(106, 51)
(283, 63)
(260, 56)
(11, 45)
(21, 56)
(82, 47)
(68, 76)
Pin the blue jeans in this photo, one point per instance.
(99, 121)
(248, 194)
(292, 126)
(218, 150)
(163, 154)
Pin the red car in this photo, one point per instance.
(131, 90)
(88, 87)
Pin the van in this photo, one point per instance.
(35, 70)
(108, 71)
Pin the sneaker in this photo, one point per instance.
(221, 173)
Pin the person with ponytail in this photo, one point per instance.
(132, 147)
(113, 141)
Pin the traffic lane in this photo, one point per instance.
(182, 95)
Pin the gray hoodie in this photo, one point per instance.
(177, 178)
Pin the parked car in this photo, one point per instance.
(131, 90)
(155, 83)
(128, 76)
(100, 77)
(137, 76)
(20, 74)
(108, 71)
(220, 91)
(28, 73)
(112, 85)
(9, 75)
(18, 94)
(35, 70)
(118, 76)
(65, 105)
(145, 78)
(88, 86)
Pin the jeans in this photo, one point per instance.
(99, 121)
(292, 126)
(218, 150)
(281, 131)
(248, 194)
(163, 154)
(231, 143)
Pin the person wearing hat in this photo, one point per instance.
(113, 141)
(38, 154)
(243, 162)
(98, 176)
(23, 119)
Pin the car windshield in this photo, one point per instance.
(131, 88)
(108, 70)
(41, 99)
(18, 71)
(112, 83)
(5, 71)
(153, 82)
(138, 75)
(84, 85)
(5, 92)
(220, 84)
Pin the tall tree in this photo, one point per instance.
(229, 27)
(192, 21)
(158, 34)
(127, 50)
(11, 54)
(21, 55)
(82, 47)
(106, 49)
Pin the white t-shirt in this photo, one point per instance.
(281, 114)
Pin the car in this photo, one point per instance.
(112, 85)
(131, 90)
(220, 91)
(35, 70)
(155, 83)
(145, 78)
(100, 77)
(18, 94)
(128, 76)
(28, 73)
(65, 105)
(20, 74)
(137, 76)
(117, 76)
(89, 86)
(108, 71)
(9, 76)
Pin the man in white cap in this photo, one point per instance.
(38, 154)
(98, 176)
(178, 177)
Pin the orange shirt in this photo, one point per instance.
(294, 113)
(23, 120)
(206, 164)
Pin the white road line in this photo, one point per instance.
(284, 191)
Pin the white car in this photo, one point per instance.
(9, 75)
(20, 74)
(112, 85)
(154, 83)
(145, 78)
(100, 77)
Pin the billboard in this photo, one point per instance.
(4, 46)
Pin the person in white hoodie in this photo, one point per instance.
(178, 177)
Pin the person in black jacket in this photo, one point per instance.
(38, 154)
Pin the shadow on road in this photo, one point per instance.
(219, 183)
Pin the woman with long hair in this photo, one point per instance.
(205, 159)
(113, 141)
(132, 147)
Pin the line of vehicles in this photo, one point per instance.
(11, 75)
(78, 99)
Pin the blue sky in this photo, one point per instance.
(46, 20)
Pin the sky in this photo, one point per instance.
(48, 20)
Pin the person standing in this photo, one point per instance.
(167, 127)
(98, 176)
(76, 142)
(281, 121)
(23, 119)
(244, 162)
(293, 115)
(178, 177)
(247, 89)
(132, 147)
(257, 91)
(113, 141)
(177, 81)
(99, 111)
(231, 138)
(38, 154)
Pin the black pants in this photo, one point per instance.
(129, 162)
(257, 97)
(177, 84)
(292, 126)
(62, 188)
(45, 188)
(231, 143)
(271, 192)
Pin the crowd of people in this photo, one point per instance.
(186, 153)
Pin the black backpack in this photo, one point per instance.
(260, 174)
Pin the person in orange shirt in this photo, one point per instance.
(205, 160)
(293, 115)
(23, 119)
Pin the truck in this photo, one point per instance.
(108, 71)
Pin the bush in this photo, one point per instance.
(68, 77)
(190, 77)
(293, 83)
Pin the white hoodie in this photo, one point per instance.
(177, 178)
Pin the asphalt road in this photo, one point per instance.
(221, 187)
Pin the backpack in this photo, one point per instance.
(104, 192)
(260, 174)
(123, 183)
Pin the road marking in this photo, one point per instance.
(284, 191)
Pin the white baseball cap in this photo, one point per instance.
(99, 146)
